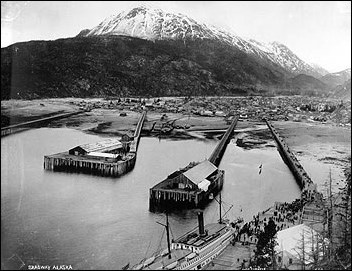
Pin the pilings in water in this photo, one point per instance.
(168, 199)
(15, 128)
(161, 198)
(71, 163)
(219, 151)
(301, 176)
(85, 164)
(9, 131)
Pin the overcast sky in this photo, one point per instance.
(318, 32)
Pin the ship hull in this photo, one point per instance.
(202, 256)
(207, 256)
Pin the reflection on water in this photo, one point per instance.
(93, 222)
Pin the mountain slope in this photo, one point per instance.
(307, 83)
(284, 57)
(154, 24)
(176, 57)
(120, 66)
(319, 69)
(337, 78)
(342, 91)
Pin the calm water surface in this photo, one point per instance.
(92, 222)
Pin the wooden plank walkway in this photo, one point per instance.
(18, 127)
(301, 176)
(219, 151)
(232, 258)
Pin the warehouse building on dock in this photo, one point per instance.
(110, 157)
(108, 150)
(191, 186)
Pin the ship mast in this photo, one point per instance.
(167, 234)
(220, 221)
(219, 201)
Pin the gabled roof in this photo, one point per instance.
(198, 173)
(103, 154)
(98, 146)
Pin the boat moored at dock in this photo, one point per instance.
(194, 249)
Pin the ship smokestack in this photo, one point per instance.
(201, 224)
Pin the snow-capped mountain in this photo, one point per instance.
(283, 56)
(319, 69)
(153, 23)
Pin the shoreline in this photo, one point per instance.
(325, 142)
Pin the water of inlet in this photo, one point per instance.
(92, 222)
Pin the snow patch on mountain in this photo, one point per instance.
(152, 23)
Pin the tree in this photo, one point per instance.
(336, 254)
(264, 254)
(311, 249)
(343, 225)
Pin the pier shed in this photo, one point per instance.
(198, 174)
(194, 177)
(194, 185)
(110, 157)
(108, 146)
(189, 187)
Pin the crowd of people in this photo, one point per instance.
(283, 214)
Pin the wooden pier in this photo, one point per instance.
(137, 133)
(71, 163)
(168, 195)
(114, 161)
(312, 213)
(219, 151)
(301, 176)
(194, 185)
(19, 127)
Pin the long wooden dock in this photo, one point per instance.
(24, 125)
(93, 164)
(237, 257)
(194, 185)
(137, 132)
(219, 151)
(301, 176)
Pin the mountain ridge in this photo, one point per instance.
(152, 23)
(204, 61)
(127, 66)
(342, 91)
(337, 78)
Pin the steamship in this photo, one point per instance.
(193, 250)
